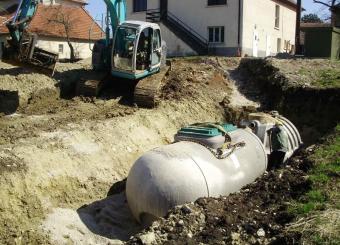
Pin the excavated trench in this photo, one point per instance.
(259, 213)
(312, 109)
(61, 155)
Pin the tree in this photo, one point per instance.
(64, 18)
(333, 5)
(328, 3)
(311, 18)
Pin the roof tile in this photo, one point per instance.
(48, 18)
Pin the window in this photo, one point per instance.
(156, 39)
(156, 46)
(61, 48)
(279, 45)
(140, 5)
(124, 48)
(217, 2)
(216, 34)
(277, 16)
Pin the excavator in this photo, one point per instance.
(21, 47)
(136, 52)
(131, 50)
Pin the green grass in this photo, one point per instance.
(324, 193)
(319, 240)
(324, 176)
(328, 78)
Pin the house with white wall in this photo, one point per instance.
(222, 27)
(84, 31)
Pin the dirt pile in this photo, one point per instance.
(186, 81)
(21, 86)
(18, 85)
(60, 156)
(255, 215)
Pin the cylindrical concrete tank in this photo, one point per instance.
(185, 171)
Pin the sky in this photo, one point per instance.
(97, 8)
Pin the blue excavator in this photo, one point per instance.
(131, 50)
(136, 52)
(22, 45)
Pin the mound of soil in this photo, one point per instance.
(59, 156)
(255, 215)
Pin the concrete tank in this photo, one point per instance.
(185, 171)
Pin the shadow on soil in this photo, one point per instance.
(9, 101)
(112, 88)
(111, 217)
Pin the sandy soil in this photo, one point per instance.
(63, 158)
(60, 157)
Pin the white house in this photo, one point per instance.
(228, 27)
(84, 31)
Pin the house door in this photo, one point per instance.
(269, 46)
(255, 42)
(163, 6)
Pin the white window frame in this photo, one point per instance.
(277, 16)
(61, 48)
(221, 34)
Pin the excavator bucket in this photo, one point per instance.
(27, 53)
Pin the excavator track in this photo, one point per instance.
(90, 85)
(147, 91)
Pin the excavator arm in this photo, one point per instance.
(21, 48)
(23, 16)
(116, 10)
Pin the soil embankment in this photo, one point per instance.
(299, 90)
(60, 157)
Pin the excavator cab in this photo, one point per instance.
(137, 50)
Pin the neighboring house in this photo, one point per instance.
(320, 40)
(223, 27)
(84, 31)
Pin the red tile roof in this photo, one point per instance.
(46, 22)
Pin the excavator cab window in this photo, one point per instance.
(144, 49)
(156, 47)
(124, 48)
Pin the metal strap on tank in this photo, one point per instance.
(220, 153)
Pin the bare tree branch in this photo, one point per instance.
(64, 19)
(329, 4)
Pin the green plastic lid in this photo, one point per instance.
(206, 130)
